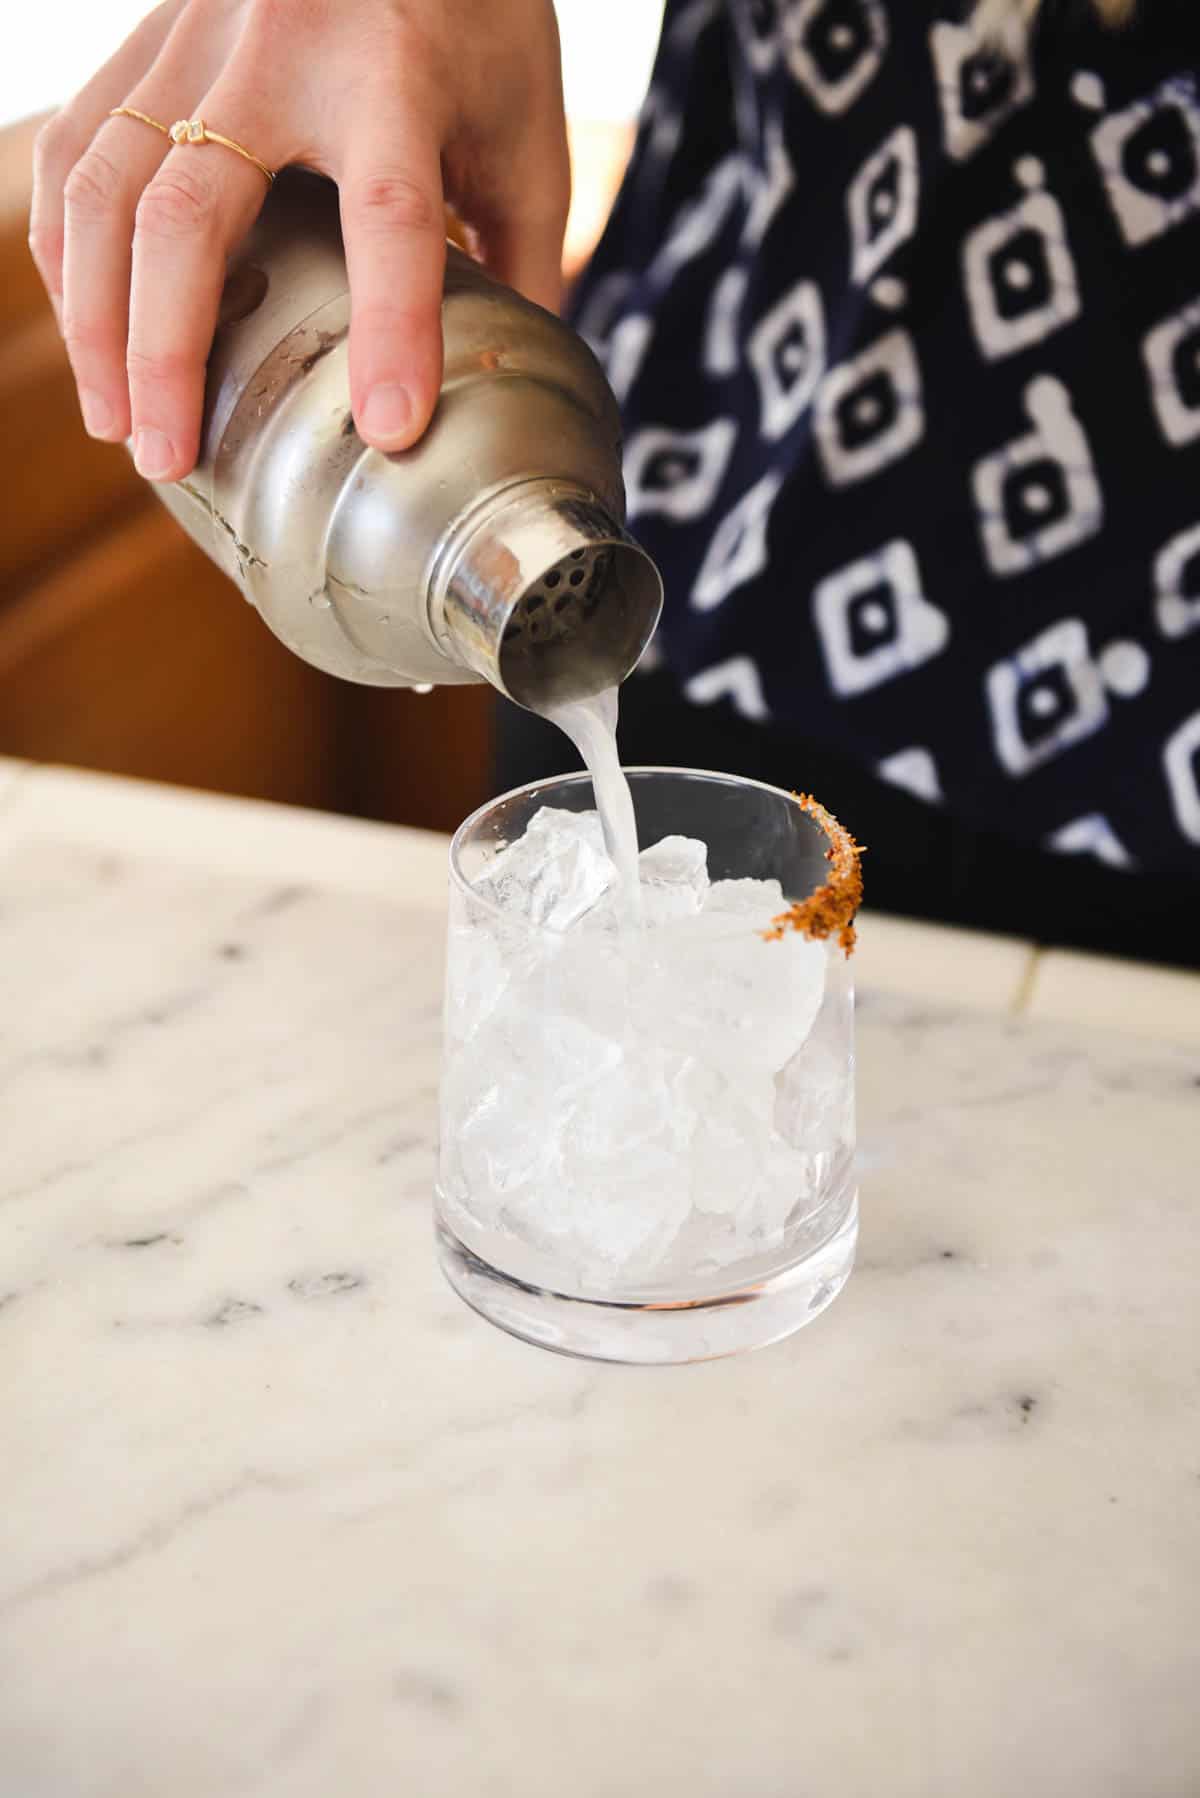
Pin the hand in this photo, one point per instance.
(407, 104)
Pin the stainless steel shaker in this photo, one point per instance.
(493, 549)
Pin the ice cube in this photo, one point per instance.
(814, 1092)
(476, 977)
(731, 1124)
(501, 1144)
(760, 900)
(743, 1179)
(554, 873)
(673, 875)
(713, 985)
(507, 1098)
(624, 1152)
(587, 1167)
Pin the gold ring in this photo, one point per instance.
(192, 131)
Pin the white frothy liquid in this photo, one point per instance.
(591, 725)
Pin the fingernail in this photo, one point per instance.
(152, 454)
(388, 411)
(97, 413)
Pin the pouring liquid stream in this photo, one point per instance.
(591, 725)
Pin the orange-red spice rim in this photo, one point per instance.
(829, 910)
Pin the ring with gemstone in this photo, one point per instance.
(193, 131)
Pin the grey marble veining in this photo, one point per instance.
(281, 1519)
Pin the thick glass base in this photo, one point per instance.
(650, 1333)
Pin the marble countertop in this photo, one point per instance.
(282, 1519)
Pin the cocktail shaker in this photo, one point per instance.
(493, 549)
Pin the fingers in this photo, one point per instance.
(516, 189)
(101, 197)
(522, 241)
(198, 206)
(393, 223)
(134, 255)
(63, 140)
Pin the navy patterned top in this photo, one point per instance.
(905, 325)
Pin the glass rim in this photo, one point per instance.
(828, 911)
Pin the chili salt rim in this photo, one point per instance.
(829, 910)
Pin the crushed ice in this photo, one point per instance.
(630, 1099)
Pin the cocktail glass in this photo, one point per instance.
(647, 1137)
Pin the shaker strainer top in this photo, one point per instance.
(544, 593)
(562, 599)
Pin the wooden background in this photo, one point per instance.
(123, 648)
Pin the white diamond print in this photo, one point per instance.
(1170, 351)
(1149, 157)
(721, 346)
(767, 184)
(737, 679)
(1177, 584)
(700, 222)
(980, 81)
(1181, 760)
(738, 550)
(1091, 835)
(869, 410)
(626, 352)
(786, 351)
(915, 770)
(1051, 463)
(757, 26)
(1045, 697)
(677, 473)
(1019, 277)
(882, 194)
(874, 622)
(832, 67)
